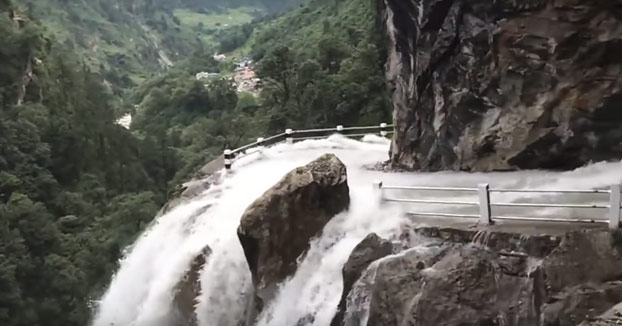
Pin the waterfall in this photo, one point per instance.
(141, 293)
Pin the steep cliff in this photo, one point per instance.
(483, 85)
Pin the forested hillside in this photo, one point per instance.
(196, 118)
(320, 65)
(75, 188)
(127, 41)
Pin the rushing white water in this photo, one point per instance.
(141, 292)
(125, 121)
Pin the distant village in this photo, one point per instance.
(244, 74)
(244, 78)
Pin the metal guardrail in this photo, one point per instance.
(485, 205)
(291, 136)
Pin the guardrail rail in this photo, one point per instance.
(485, 205)
(291, 136)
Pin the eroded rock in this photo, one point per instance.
(276, 229)
(188, 290)
(366, 252)
(468, 286)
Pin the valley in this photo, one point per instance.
(102, 118)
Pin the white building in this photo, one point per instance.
(206, 75)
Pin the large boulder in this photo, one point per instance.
(277, 228)
(379, 296)
(467, 286)
(366, 252)
(485, 85)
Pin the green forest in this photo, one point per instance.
(76, 188)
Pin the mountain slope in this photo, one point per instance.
(321, 64)
(75, 188)
(127, 41)
(305, 27)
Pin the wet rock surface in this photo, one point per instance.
(188, 290)
(192, 189)
(275, 231)
(462, 277)
(366, 252)
(482, 85)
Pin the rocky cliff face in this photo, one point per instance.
(484, 85)
(458, 278)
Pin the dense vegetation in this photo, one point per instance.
(75, 188)
(198, 119)
(126, 41)
(321, 65)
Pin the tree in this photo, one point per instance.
(276, 72)
(331, 52)
(62, 160)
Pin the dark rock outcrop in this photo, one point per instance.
(537, 246)
(484, 85)
(191, 189)
(612, 317)
(537, 281)
(209, 175)
(469, 286)
(583, 257)
(276, 229)
(581, 303)
(188, 290)
(366, 252)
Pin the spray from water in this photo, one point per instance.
(142, 291)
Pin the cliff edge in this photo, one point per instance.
(483, 85)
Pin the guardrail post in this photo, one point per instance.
(483, 191)
(339, 128)
(228, 159)
(378, 192)
(288, 138)
(383, 125)
(383, 133)
(614, 207)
